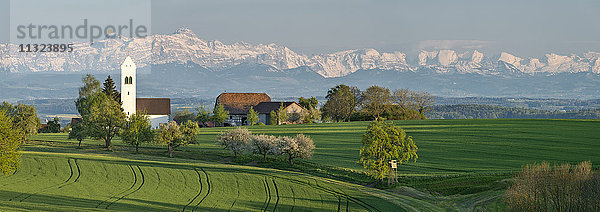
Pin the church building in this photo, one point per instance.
(158, 109)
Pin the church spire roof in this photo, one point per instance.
(128, 63)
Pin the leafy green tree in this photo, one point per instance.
(181, 116)
(252, 116)
(341, 102)
(295, 117)
(220, 114)
(383, 142)
(281, 114)
(10, 138)
(52, 126)
(87, 94)
(190, 129)
(374, 100)
(24, 118)
(105, 120)
(137, 130)
(311, 115)
(203, 115)
(78, 132)
(170, 135)
(308, 103)
(235, 140)
(175, 136)
(264, 145)
(300, 146)
(274, 120)
(110, 89)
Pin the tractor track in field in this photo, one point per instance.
(347, 203)
(339, 203)
(158, 177)
(268, 192)
(293, 198)
(207, 191)
(130, 193)
(57, 186)
(78, 171)
(277, 193)
(320, 195)
(122, 192)
(71, 176)
(199, 191)
(358, 201)
(237, 183)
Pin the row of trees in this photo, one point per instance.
(202, 116)
(103, 119)
(242, 141)
(345, 103)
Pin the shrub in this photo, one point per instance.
(177, 135)
(264, 145)
(236, 140)
(538, 187)
(300, 146)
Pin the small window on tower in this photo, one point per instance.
(128, 93)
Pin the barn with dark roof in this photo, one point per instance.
(264, 110)
(238, 105)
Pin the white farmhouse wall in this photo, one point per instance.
(156, 120)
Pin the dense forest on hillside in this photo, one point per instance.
(470, 111)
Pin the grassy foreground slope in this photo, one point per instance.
(462, 165)
(454, 146)
(84, 182)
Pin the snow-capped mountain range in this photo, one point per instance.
(184, 46)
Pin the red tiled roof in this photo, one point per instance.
(154, 106)
(240, 103)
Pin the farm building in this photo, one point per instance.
(238, 105)
(264, 110)
(158, 109)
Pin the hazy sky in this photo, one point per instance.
(522, 27)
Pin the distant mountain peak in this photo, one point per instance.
(185, 31)
(184, 46)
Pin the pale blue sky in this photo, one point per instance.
(522, 27)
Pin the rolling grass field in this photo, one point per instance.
(453, 146)
(462, 165)
(83, 182)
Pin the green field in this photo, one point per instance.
(454, 146)
(462, 165)
(59, 181)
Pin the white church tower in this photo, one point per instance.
(128, 84)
